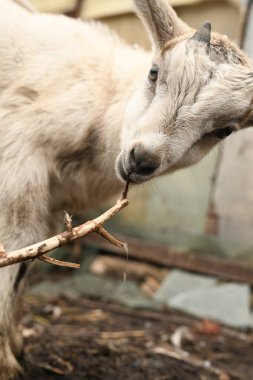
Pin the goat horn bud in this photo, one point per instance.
(203, 34)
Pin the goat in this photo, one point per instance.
(81, 112)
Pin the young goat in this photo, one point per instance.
(80, 112)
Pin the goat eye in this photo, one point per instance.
(224, 132)
(153, 74)
(221, 133)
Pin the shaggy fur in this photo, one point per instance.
(75, 101)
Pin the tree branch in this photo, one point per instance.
(38, 250)
(59, 263)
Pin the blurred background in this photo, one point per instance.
(190, 243)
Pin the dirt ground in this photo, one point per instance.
(82, 339)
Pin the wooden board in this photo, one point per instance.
(166, 257)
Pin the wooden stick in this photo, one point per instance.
(68, 221)
(105, 234)
(39, 249)
(122, 334)
(193, 361)
(59, 263)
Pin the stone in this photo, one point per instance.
(178, 282)
(225, 303)
(125, 293)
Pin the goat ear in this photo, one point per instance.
(160, 20)
(203, 35)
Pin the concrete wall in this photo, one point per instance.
(233, 190)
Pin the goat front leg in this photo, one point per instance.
(23, 221)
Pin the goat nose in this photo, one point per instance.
(142, 161)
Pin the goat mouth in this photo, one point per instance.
(130, 176)
(123, 175)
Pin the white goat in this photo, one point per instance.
(80, 112)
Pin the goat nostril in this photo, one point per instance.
(142, 161)
(132, 156)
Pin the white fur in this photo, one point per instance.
(74, 100)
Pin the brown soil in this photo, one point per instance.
(93, 340)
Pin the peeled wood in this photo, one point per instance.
(38, 250)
